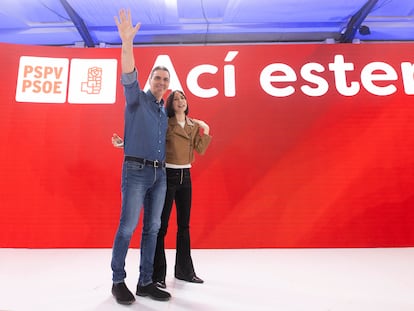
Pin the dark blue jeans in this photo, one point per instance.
(141, 186)
(179, 190)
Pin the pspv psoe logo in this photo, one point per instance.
(45, 80)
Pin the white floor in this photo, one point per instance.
(242, 280)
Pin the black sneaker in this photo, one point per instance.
(122, 294)
(153, 292)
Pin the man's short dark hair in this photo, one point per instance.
(159, 68)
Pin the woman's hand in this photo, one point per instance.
(117, 141)
(203, 125)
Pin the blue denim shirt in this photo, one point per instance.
(145, 121)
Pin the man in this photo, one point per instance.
(143, 171)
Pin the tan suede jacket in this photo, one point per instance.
(181, 142)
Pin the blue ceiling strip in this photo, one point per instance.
(79, 24)
(356, 21)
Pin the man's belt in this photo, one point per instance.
(146, 162)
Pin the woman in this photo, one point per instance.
(184, 136)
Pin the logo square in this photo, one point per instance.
(92, 81)
(42, 79)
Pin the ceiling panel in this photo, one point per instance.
(48, 22)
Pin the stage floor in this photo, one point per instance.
(374, 279)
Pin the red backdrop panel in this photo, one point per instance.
(296, 170)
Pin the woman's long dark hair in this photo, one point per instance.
(170, 101)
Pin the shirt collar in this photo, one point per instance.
(160, 103)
